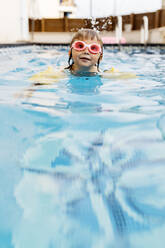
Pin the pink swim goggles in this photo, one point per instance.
(93, 48)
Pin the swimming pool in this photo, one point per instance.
(83, 159)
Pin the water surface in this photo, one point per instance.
(82, 160)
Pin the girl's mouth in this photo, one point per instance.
(85, 58)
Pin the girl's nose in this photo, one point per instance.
(86, 50)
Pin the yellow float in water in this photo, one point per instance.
(115, 74)
(50, 75)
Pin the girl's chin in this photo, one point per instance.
(85, 63)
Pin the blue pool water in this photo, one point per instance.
(82, 160)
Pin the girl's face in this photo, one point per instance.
(85, 60)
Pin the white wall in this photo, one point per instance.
(48, 8)
(163, 4)
(13, 21)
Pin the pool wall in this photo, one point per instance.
(133, 37)
(156, 36)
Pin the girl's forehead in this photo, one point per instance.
(88, 40)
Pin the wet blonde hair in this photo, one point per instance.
(85, 34)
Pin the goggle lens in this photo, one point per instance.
(78, 45)
(81, 45)
(95, 48)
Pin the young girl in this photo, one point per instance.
(85, 54)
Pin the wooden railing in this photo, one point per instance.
(156, 20)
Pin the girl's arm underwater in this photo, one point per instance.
(46, 77)
(50, 76)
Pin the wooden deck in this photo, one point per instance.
(156, 20)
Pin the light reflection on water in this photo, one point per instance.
(82, 159)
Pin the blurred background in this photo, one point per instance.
(54, 21)
(101, 8)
